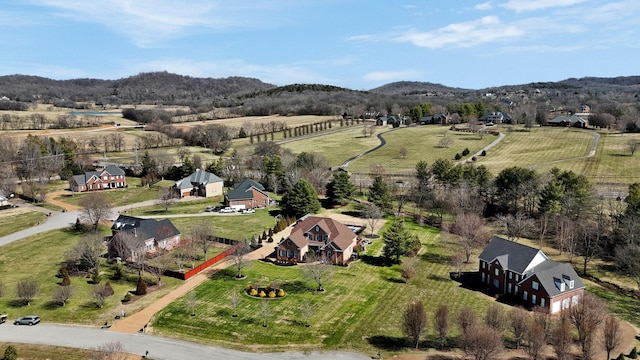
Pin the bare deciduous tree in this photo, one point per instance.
(632, 145)
(200, 233)
(483, 343)
(518, 319)
(516, 226)
(611, 334)
(414, 321)
(161, 263)
(27, 289)
(265, 311)
(408, 269)
(317, 269)
(192, 301)
(373, 215)
(471, 229)
(95, 207)
(535, 338)
(441, 325)
(494, 317)
(62, 294)
(168, 197)
(239, 259)
(100, 293)
(561, 338)
(111, 351)
(234, 301)
(307, 312)
(587, 316)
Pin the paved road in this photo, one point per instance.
(159, 347)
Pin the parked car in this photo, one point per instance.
(27, 320)
(210, 208)
(248, 211)
(3, 318)
(227, 210)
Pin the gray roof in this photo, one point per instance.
(551, 274)
(110, 169)
(567, 120)
(144, 229)
(199, 177)
(512, 255)
(241, 190)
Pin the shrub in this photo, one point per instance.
(118, 272)
(262, 294)
(10, 353)
(141, 287)
(270, 239)
(620, 357)
(108, 290)
(634, 353)
(280, 293)
(253, 292)
(458, 156)
(248, 288)
(66, 280)
(272, 294)
(473, 158)
(126, 298)
(465, 152)
(483, 153)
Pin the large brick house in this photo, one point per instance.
(200, 183)
(110, 178)
(324, 236)
(247, 194)
(528, 275)
(132, 237)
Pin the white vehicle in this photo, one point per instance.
(248, 211)
(227, 210)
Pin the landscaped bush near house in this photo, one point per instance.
(272, 290)
(474, 159)
(458, 156)
(483, 153)
(620, 357)
(126, 298)
(141, 286)
(634, 353)
(465, 152)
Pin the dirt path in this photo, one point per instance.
(52, 199)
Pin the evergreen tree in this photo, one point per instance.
(379, 194)
(633, 199)
(396, 240)
(242, 133)
(340, 187)
(551, 197)
(302, 199)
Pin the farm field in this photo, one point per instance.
(538, 146)
(421, 143)
(360, 310)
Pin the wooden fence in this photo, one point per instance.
(204, 265)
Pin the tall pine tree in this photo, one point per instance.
(340, 187)
(302, 199)
(396, 240)
(379, 194)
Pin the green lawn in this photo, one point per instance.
(132, 194)
(38, 258)
(540, 145)
(47, 352)
(421, 143)
(13, 220)
(235, 227)
(360, 310)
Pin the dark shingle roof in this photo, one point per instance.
(145, 228)
(551, 274)
(513, 256)
(110, 169)
(241, 190)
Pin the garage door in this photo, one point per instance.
(555, 307)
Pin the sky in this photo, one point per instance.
(356, 44)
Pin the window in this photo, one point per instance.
(496, 271)
(534, 285)
(571, 284)
(510, 275)
(542, 302)
(525, 295)
(533, 298)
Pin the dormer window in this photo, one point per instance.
(571, 284)
(561, 286)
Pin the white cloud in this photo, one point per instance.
(484, 6)
(532, 5)
(149, 22)
(465, 34)
(391, 75)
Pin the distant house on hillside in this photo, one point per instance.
(439, 119)
(496, 117)
(132, 237)
(110, 178)
(200, 183)
(324, 236)
(528, 275)
(390, 119)
(247, 194)
(574, 121)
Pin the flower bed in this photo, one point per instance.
(264, 292)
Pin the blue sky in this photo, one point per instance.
(355, 44)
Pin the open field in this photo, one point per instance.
(125, 196)
(360, 309)
(421, 143)
(38, 258)
(236, 227)
(14, 220)
(47, 352)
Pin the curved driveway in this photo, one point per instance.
(159, 348)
